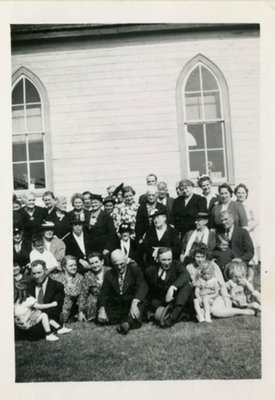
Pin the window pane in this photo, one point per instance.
(212, 105)
(32, 95)
(193, 82)
(37, 175)
(197, 163)
(195, 139)
(36, 148)
(208, 80)
(18, 119)
(216, 164)
(34, 118)
(17, 93)
(20, 180)
(193, 107)
(214, 135)
(19, 152)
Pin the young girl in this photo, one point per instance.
(207, 289)
(27, 313)
(242, 292)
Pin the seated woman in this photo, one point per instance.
(227, 204)
(91, 287)
(60, 218)
(222, 306)
(72, 282)
(199, 235)
(160, 234)
(127, 244)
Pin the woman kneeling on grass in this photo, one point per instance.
(222, 306)
(27, 313)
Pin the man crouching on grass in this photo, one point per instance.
(169, 289)
(122, 295)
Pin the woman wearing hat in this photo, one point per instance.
(126, 211)
(127, 244)
(199, 235)
(21, 247)
(109, 205)
(52, 243)
(227, 204)
(61, 218)
(160, 234)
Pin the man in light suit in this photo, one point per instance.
(169, 283)
(122, 295)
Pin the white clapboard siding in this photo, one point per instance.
(113, 107)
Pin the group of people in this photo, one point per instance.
(115, 261)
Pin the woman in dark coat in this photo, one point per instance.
(31, 216)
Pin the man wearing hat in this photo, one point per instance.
(102, 233)
(199, 235)
(169, 284)
(52, 243)
(78, 244)
(122, 295)
(160, 234)
(21, 247)
(186, 207)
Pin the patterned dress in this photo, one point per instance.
(125, 213)
(90, 290)
(72, 289)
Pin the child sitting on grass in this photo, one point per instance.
(207, 289)
(241, 291)
(27, 313)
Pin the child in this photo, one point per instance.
(39, 253)
(242, 292)
(222, 254)
(27, 313)
(207, 288)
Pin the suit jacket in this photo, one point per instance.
(211, 244)
(177, 276)
(184, 216)
(142, 220)
(23, 256)
(241, 244)
(169, 239)
(236, 208)
(102, 235)
(54, 292)
(32, 224)
(62, 225)
(169, 208)
(135, 287)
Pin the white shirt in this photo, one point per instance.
(163, 201)
(125, 246)
(80, 242)
(46, 256)
(160, 232)
(162, 273)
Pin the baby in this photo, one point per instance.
(207, 288)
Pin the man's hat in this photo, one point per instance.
(156, 212)
(201, 215)
(96, 197)
(124, 227)
(109, 199)
(161, 314)
(118, 189)
(47, 225)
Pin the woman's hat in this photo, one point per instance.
(47, 225)
(109, 199)
(96, 197)
(201, 215)
(124, 227)
(156, 212)
(118, 189)
(77, 220)
(17, 229)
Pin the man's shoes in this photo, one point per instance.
(123, 328)
(167, 323)
(63, 330)
(52, 337)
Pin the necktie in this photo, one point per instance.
(227, 233)
(40, 298)
(120, 282)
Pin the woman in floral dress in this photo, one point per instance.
(126, 211)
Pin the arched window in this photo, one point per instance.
(28, 133)
(204, 122)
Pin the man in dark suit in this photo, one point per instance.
(122, 295)
(168, 283)
(239, 240)
(21, 247)
(165, 199)
(48, 292)
(186, 207)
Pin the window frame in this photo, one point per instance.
(225, 113)
(23, 72)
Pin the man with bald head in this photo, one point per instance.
(122, 296)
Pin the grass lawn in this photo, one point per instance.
(226, 349)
